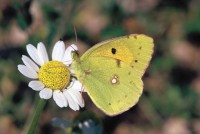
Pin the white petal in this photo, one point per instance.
(58, 51)
(77, 97)
(42, 52)
(74, 47)
(30, 73)
(72, 103)
(29, 63)
(59, 98)
(78, 86)
(32, 51)
(67, 58)
(36, 85)
(45, 93)
(72, 71)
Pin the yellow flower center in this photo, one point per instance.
(54, 75)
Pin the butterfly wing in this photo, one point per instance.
(111, 72)
(112, 89)
(135, 50)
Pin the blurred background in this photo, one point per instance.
(170, 103)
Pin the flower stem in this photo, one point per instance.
(36, 117)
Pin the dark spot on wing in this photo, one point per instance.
(132, 66)
(135, 36)
(136, 61)
(87, 73)
(140, 47)
(109, 103)
(113, 50)
(118, 62)
(129, 73)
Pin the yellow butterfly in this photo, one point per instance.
(111, 71)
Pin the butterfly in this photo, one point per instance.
(111, 71)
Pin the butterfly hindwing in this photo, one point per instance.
(113, 89)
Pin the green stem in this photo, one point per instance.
(36, 117)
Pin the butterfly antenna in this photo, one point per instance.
(75, 37)
(73, 48)
(75, 33)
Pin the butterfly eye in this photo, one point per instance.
(113, 50)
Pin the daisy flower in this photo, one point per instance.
(52, 78)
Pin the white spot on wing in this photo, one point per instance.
(114, 79)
